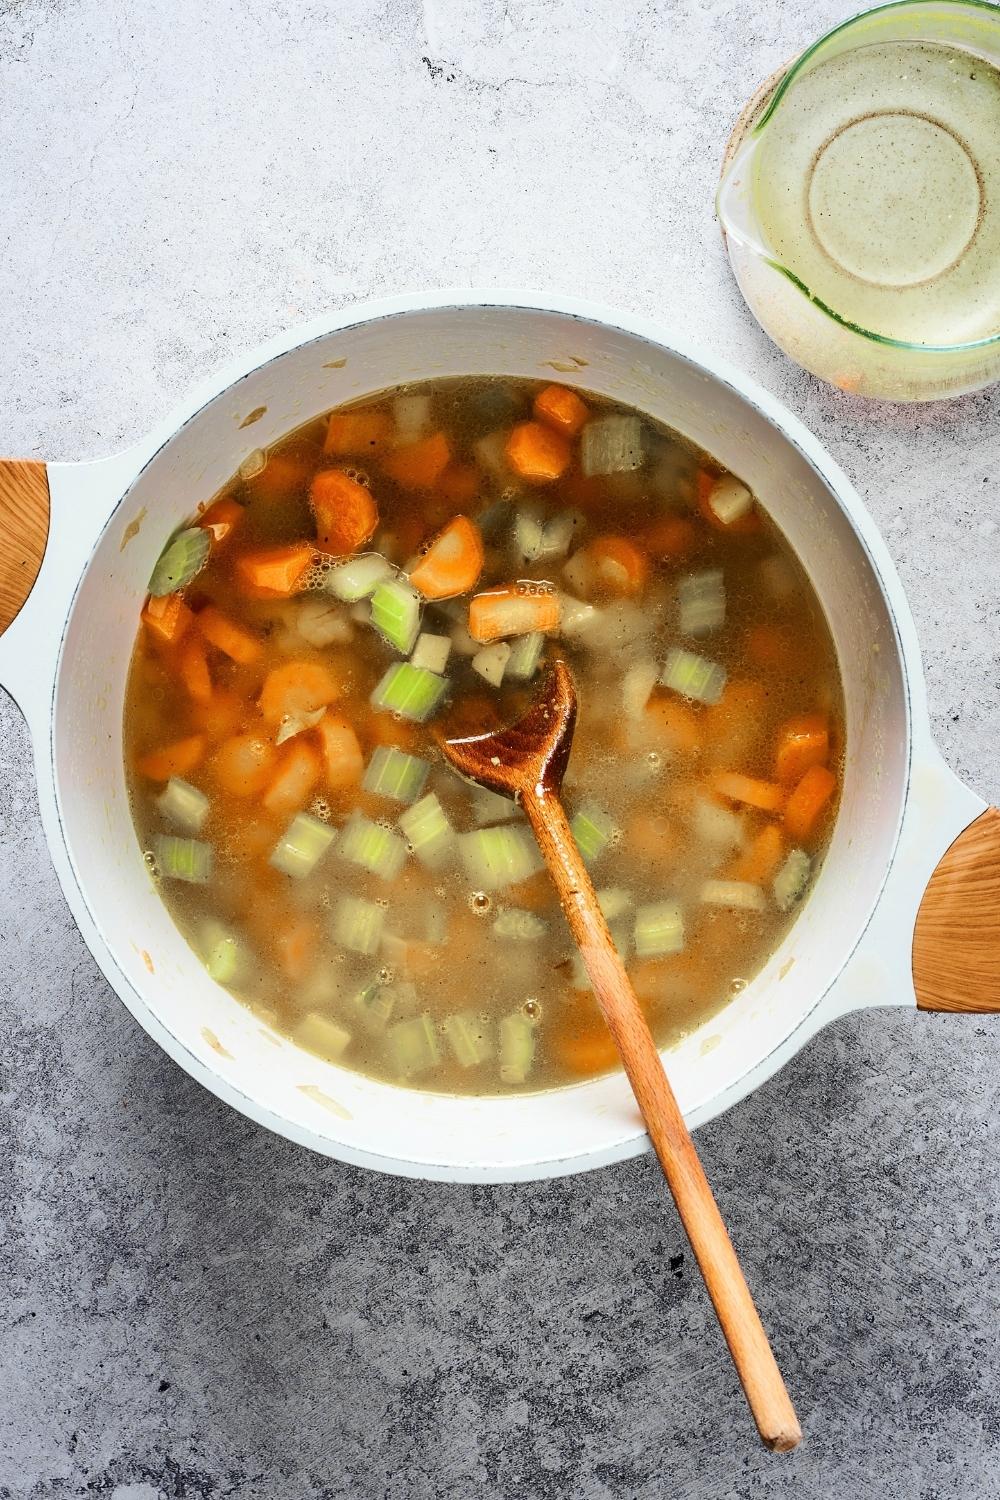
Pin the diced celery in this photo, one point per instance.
(302, 845)
(490, 807)
(376, 1004)
(519, 926)
(517, 1048)
(182, 859)
(372, 846)
(693, 676)
(491, 662)
(612, 445)
(324, 1037)
(222, 953)
(701, 599)
(412, 413)
(659, 928)
(637, 684)
(358, 577)
(495, 857)
(592, 828)
(729, 499)
(396, 613)
(621, 936)
(430, 835)
(412, 1046)
(714, 824)
(792, 879)
(180, 561)
(614, 902)
(468, 1038)
(525, 654)
(737, 895)
(431, 652)
(393, 773)
(183, 804)
(410, 691)
(358, 924)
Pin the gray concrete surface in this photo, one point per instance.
(191, 1307)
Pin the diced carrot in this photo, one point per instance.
(229, 638)
(167, 617)
(297, 688)
(561, 408)
(192, 668)
(459, 483)
(243, 764)
(764, 795)
(746, 525)
(249, 835)
(360, 431)
(345, 511)
(343, 761)
(808, 801)
(297, 774)
(670, 537)
(173, 760)
(534, 894)
(652, 841)
(419, 465)
(759, 861)
(586, 1053)
(452, 563)
(673, 725)
(619, 565)
(515, 609)
(732, 725)
(589, 492)
(386, 729)
(295, 945)
(802, 742)
(537, 453)
(770, 647)
(222, 518)
(274, 572)
(283, 477)
(220, 714)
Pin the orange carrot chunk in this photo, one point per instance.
(220, 714)
(586, 1053)
(345, 511)
(295, 689)
(360, 431)
(452, 563)
(760, 860)
(670, 537)
(537, 453)
(222, 518)
(167, 617)
(419, 465)
(516, 609)
(459, 483)
(802, 742)
(562, 409)
(244, 764)
(173, 760)
(283, 477)
(295, 944)
(764, 795)
(192, 668)
(771, 647)
(343, 760)
(274, 572)
(674, 726)
(808, 801)
(298, 772)
(226, 636)
(619, 565)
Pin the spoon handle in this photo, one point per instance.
(738, 1317)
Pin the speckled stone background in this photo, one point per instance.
(191, 1307)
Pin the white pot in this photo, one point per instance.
(66, 654)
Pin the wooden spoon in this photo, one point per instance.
(528, 761)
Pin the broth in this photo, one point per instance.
(308, 634)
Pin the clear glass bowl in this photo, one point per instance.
(917, 255)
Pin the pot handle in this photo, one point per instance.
(956, 937)
(24, 531)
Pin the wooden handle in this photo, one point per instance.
(24, 530)
(755, 1363)
(956, 939)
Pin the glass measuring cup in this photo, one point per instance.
(860, 201)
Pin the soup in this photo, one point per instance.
(404, 568)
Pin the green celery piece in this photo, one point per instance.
(592, 830)
(396, 614)
(431, 836)
(659, 928)
(302, 845)
(183, 859)
(467, 1037)
(393, 773)
(517, 1048)
(412, 692)
(372, 846)
(792, 879)
(358, 924)
(183, 804)
(412, 1046)
(693, 676)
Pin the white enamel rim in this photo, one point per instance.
(876, 970)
